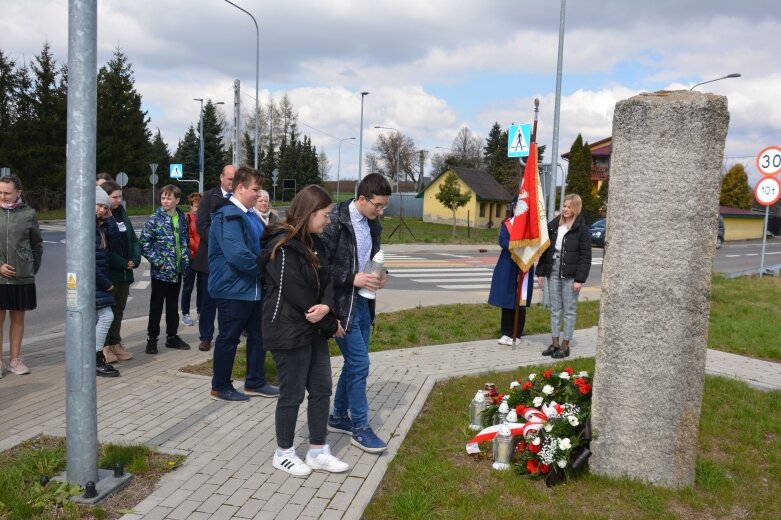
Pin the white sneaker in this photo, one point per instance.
(18, 367)
(187, 320)
(326, 462)
(505, 340)
(290, 463)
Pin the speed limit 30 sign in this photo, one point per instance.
(769, 160)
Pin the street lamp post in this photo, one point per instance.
(398, 154)
(257, 76)
(360, 146)
(733, 75)
(339, 165)
(200, 147)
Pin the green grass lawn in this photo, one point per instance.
(23, 497)
(428, 233)
(737, 469)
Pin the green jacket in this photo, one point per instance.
(21, 244)
(130, 250)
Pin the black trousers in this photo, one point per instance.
(164, 293)
(508, 317)
(305, 368)
(120, 292)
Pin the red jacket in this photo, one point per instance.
(195, 238)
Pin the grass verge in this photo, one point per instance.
(430, 233)
(736, 475)
(23, 497)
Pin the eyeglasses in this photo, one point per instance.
(325, 214)
(378, 206)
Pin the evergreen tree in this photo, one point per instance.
(187, 154)
(123, 139)
(213, 149)
(7, 99)
(450, 196)
(160, 155)
(735, 190)
(579, 175)
(17, 143)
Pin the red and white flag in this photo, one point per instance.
(529, 233)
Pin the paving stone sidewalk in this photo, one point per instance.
(229, 446)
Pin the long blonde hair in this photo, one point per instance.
(575, 204)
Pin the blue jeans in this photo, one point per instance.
(351, 388)
(208, 309)
(233, 317)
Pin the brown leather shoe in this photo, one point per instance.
(205, 345)
(121, 353)
(109, 356)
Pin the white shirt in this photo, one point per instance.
(560, 237)
(363, 236)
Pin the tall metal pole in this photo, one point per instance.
(556, 114)
(81, 394)
(257, 75)
(360, 146)
(200, 147)
(237, 123)
(339, 165)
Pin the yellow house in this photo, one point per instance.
(485, 209)
(741, 224)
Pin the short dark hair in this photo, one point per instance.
(173, 190)
(245, 175)
(194, 198)
(104, 176)
(374, 184)
(110, 187)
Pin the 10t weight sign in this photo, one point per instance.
(767, 191)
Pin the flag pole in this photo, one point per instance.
(519, 281)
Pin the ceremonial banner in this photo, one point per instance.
(529, 233)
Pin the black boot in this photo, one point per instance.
(102, 368)
(151, 345)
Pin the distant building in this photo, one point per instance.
(485, 209)
(741, 224)
(600, 162)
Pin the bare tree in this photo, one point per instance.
(466, 148)
(397, 156)
(323, 166)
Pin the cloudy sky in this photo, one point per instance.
(431, 66)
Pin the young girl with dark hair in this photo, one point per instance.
(297, 322)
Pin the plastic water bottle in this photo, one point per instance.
(374, 266)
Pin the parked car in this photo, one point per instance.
(598, 233)
(719, 235)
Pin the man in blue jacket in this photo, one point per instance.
(235, 286)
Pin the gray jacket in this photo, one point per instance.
(21, 245)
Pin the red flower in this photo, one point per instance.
(526, 386)
(519, 410)
(532, 465)
(544, 469)
(520, 446)
(534, 448)
(498, 398)
(547, 374)
(559, 409)
(579, 381)
(568, 370)
(584, 388)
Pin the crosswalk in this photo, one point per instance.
(452, 272)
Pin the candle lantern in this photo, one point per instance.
(490, 392)
(476, 409)
(501, 413)
(504, 448)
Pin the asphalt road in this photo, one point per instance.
(437, 269)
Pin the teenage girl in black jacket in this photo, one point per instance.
(297, 322)
(566, 264)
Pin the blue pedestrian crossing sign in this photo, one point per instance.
(176, 171)
(518, 139)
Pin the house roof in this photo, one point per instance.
(726, 211)
(601, 148)
(479, 181)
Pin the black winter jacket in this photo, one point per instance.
(103, 298)
(291, 286)
(212, 201)
(575, 251)
(342, 255)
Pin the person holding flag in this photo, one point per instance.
(566, 266)
(523, 239)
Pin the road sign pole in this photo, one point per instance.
(764, 240)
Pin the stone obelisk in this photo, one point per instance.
(665, 179)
